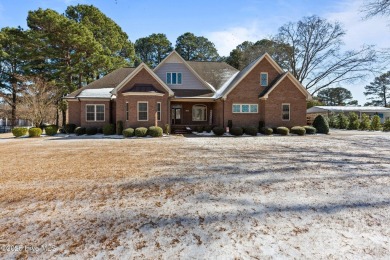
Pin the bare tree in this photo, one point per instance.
(315, 57)
(376, 7)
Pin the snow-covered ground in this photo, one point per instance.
(322, 196)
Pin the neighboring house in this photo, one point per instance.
(189, 93)
(382, 112)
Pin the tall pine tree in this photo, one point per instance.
(379, 90)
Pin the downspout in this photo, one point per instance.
(223, 113)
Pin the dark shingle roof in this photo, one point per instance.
(266, 89)
(193, 93)
(214, 72)
(111, 80)
(143, 88)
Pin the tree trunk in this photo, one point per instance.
(13, 105)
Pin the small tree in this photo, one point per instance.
(386, 125)
(321, 124)
(376, 123)
(365, 122)
(353, 121)
(333, 121)
(343, 121)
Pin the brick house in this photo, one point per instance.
(189, 93)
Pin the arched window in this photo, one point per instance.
(199, 113)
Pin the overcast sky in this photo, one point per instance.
(226, 23)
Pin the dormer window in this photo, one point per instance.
(264, 79)
(174, 78)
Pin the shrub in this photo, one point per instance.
(70, 128)
(155, 131)
(128, 132)
(109, 129)
(119, 127)
(334, 121)
(343, 121)
(19, 131)
(100, 130)
(199, 129)
(376, 123)
(386, 125)
(365, 122)
(251, 130)
(218, 130)
(266, 130)
(141, 131)
(353, 121)
(80, 131)
(261, 124)
(321, 125)
(208, 128)
(282, 130)
(91, 130)
(51, 130)
(167, 129)
(34, 132)
(310, 130)
(298, 130)
(230, 124)
(236, 131)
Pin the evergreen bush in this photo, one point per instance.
(354, 122)
(365, 122)
(310, 130)
(109, 129)
(386, 125)
(208, 128)
(236, 131)
(334, 121)
(119, 127)
(282, 130)
(70, 128)
(321, 125)
(343, 121)
(128, 132)
(199, 129)
(141, 131)
(51, 130)
(155, 131)
(80, 131)
(376, 123)
(266, 130)
(19, 131)
(251, 130)
(298, 130)
(34, 132)
(218, 130)
(91, 130)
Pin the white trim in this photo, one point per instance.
(95, 113)
(295, 82)
(94, 99)
(266, 73)
(147, 110)
(135, 72)
(177, 78)
(241, 104)
(159, 111)
(289, 111)
(142, 94)
(192, 112)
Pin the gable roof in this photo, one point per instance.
(242, 74)
(177, 55)
(111, 80)
(264, 94)
(215, 73)
(135, 72)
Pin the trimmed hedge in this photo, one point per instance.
(141, 131)
(208, 128)
(34, 132)
(80, 130)
(51, 130)
(236, 131)
(70, 128)
(282, 130)
(199, 129)
(266, 130)
(119, 127)
(91, 130)
(155, 131)
(128, 132)
(298, 130)
(109, 129)
(321, 124)
(19, 131)
(251, 130)
(310, 130)
(218, 130)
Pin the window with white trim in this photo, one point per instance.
(142, 112)
(174, 78)
(245, 108)
(95, 113)
(158, 111)
(264, 79)
(199, 113)
(286, 112)
(127, 111)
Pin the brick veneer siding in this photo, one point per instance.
(83, 114)
(145, 78)
(186, 112)
(73, 113)
(285, 92)
(247, 92)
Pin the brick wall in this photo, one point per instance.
(73, 113)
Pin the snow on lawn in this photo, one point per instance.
(203, 197)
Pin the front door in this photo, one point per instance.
(176, 116)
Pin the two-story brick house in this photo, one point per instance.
(189, 93)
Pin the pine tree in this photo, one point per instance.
(379, 90)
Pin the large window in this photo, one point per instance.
(174, 78)
(245, 108)
(142, 111)
(264, 79)
(199, 113)
(159, 111)
(286, 112)
(95, 113)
